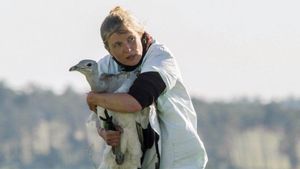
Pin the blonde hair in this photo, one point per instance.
(117, 19)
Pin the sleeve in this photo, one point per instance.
(147, 88)
(161, 60)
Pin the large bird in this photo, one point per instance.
(128, 154)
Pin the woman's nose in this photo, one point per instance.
(127, 47)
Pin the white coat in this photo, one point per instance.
(175, 120)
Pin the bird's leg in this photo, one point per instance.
(108, 125)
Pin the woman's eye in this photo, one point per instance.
(117, 45)
(131, 39)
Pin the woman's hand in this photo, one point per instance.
(91, 100)
(111, 138)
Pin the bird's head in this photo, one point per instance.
(86, 67)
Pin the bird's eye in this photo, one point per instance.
(89, 65)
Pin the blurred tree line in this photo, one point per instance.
(41, 129)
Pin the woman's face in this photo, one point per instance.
(126, 47)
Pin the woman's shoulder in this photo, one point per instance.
(106, 64)
(158, 52)
(157, 47)
(158, 56)
(160, 59)
(104, 59)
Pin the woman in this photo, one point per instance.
(131, 48)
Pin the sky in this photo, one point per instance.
(225, 49)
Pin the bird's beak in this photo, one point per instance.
(73, 68)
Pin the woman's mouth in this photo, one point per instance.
(130, 57)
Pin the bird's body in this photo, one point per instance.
(128, 154)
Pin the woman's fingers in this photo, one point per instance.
(113, 141)
(111, 137)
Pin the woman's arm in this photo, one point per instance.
(118, 102)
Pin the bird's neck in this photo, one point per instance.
(93, 81)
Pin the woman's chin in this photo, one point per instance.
(132, 63)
